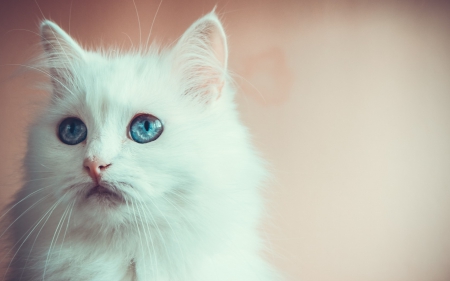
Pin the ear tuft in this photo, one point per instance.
(211, 31)
(61, 53)
(57, 42)
(201, 55)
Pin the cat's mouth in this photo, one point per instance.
(104, 193)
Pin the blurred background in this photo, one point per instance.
(348, 100)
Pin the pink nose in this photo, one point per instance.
(95, 167)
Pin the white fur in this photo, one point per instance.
(192, 196)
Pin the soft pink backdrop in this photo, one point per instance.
(348, 100)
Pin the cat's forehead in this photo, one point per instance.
(121, 77)
(121, 86)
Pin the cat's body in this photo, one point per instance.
(184, 206)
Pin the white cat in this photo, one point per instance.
(139, 168)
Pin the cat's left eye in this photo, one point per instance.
(145, 128)
(72, 131)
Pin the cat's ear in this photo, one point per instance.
(62, 52)
(200, 57)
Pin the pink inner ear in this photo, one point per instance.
(47, 38)
(201, 57)
(218, 45)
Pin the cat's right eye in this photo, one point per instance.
(145, 128)
(72, 131)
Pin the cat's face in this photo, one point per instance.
(133, 130)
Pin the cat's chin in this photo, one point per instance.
(104, 195)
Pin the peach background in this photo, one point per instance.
(349, 101)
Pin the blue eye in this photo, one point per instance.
(72, 131)
(145, 128)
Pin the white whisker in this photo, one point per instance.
(23, 213)
(150, 235)
(56, 234)
(153, 22)
(44, 72)
(175, 235)
(138, 228)
(49, 212)
(139, 23)
(26, 238)
(67, 226)
(34, 192)
(146, 235)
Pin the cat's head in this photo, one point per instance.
(153, 130)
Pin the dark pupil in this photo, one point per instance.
(147, 125)
(72, 127)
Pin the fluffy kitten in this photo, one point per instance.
(139, 168)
